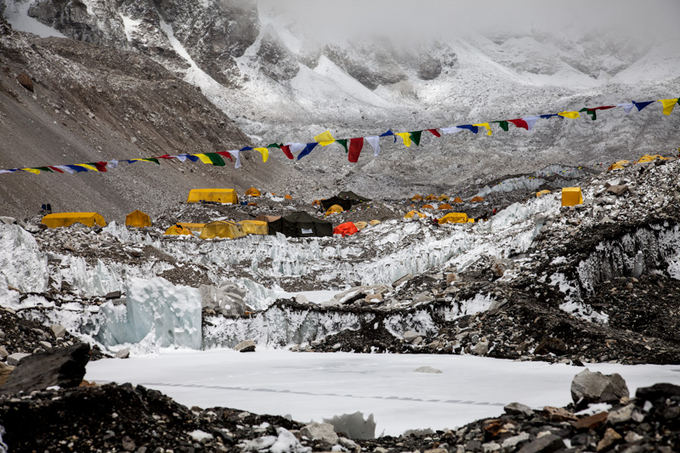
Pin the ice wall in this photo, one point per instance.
(156, 313)
(22, 265)
(280, 326)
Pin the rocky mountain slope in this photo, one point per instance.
(88, 103)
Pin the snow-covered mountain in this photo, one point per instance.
(286, 72)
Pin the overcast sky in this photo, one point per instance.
(443, 18)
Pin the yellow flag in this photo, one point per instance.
(325, 139)
(264, 152)
(572, 115)
(32, 170)
(485, 126)
(205, 159)
(668, 105)
(87, 166)
(406, 136)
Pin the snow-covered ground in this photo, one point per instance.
(314, 386)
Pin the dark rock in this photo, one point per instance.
(113, 295)
(618, 190)
(591, 422)
(245, 346)
(610, 437)
(518, 409)
(65, 368)
(656, 391)
(25, 81)
(588, 387)
(558, 414)
(545, 444)
(429, 69)
(551, 344)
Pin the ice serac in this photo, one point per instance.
(156, 314)
(22, 265)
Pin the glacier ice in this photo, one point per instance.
(22, 264)
(156, 313)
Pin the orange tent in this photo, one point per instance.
(445, 206)
(476, 200)
(346, 229)
(253, 192)
(417, 197)
(443, 198)
(428, 206)
(335, 209)
(288, 197)
(457, 200)
(138, 219)
(430, 197)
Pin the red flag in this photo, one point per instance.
(286, 151)
(520, 123)
(55, 169)
(225, 154)
(166, 156)
(604, 107)
(355, 147)
(434, 132)
(101, 166)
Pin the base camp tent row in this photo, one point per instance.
(213, 196)
(65, 219)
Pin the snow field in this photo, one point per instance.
(312, 386)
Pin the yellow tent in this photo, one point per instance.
(193, 227)
(374, 222)
(454, 217)
(213, 195)
(618, 165)
(430, 197)
(335, 209)
(221, 229)
(417, 197)
(444, 206)
(65, 219)
(178, 230)
(412, 214)
(571, 196)
(360, 225)
(138, 219)
(428, 206)
(443, 198)
(649, 158)
(458, 200)
(253, 192)
(542, 192)
(254, 227)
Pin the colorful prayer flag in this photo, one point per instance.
(668, 105)
(355, 147)
(324, 139)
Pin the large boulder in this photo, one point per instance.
(588, 387)
(322, 432)
(63, 368)
(354, 425)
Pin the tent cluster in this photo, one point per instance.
(443, 198)
(351, 146)
(621, 164)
